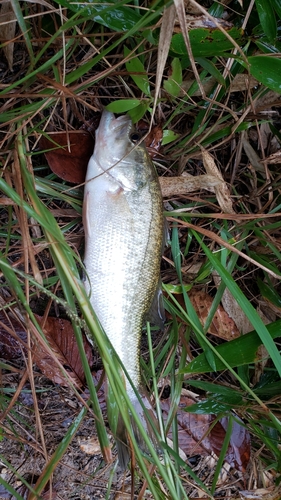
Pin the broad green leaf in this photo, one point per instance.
(138, 112)
(266, 70)
(267, 18)
(238, 352)
(225, 390)
(112, 15)
(122, 105)
(219, 404)
(172, 85)
(169, 136)
(135, 66)
(206, 42)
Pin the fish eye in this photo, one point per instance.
(135, 137)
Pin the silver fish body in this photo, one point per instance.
(123, 221)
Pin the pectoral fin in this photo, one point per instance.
(156, 313)
(86, 216)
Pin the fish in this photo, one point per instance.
(124, 226)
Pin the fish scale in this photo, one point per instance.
(123, 219)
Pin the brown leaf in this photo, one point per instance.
(222, 325)
(153, 140)
(240, 83)
(69, 162)
(8, 30)
(61, 338)
(90, 446)
(238, 453)
(233, 309)
(198, 435)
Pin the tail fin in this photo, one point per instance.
(147, 417)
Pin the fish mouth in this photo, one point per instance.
(118, 126)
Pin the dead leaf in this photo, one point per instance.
(68, 161)
(222, 325)
(90, 446)
(203, 21)
(253, 157)
(198, 435)
(274, 158)
(233, 309)
(153, 140)
(8, 29)
(267, 100)
(61, 338)
(222, 191)
(240, 83)
(60, 335)
(270, 493)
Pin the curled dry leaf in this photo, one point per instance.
(222, 191)
(68, 154)
(175, 186)
(198, 435)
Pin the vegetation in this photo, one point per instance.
(204, 85)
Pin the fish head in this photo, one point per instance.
(118, 153)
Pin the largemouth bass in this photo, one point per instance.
(123, 221)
